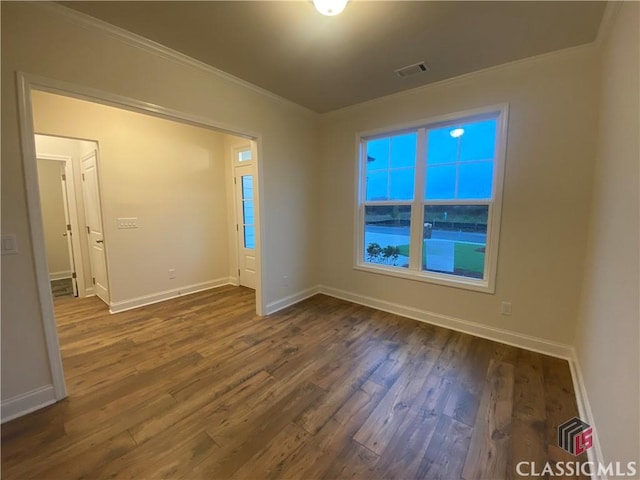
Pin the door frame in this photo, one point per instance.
(238, 226)
(26, 83)
(96, 153)
(71, 205)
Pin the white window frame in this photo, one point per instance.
(414, 272)
(243, 148)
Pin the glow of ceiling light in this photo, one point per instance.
(457, 132)
(330, 7)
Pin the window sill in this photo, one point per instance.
(438, 279)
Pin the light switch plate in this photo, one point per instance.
(9, 244)
(131, 222)
(505, 308)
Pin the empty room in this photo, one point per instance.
(320, 239)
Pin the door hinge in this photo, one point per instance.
(235, 181)
(93, 279)
(68, 227)
(83, 177)
(73, 275)
(238, 272)
(64, 177)
(88, 230)
(237, 228)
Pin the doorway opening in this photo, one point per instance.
(71, 209)
(243, 163)
(150, 225)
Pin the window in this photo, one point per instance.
(244, 155)
(248, 219)
(429, 201)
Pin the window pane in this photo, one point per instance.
(247, 186)
(249, 236)
(377, 185)
(441, 182)
(455, 239)
(441, 146)
(475, 180)
(247, 212)
(386, 235)
(455, 145)
(478, 141)
(402, 184)
(378, 154)
(403, 150)
(390, 167)
(244, 155)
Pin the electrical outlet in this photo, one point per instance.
(285, 280)
(172, 273)
(505, 308)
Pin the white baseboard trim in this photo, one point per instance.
(594, 454)
(116, 307)
(527, 342)
(59, 275)
(20, 405)
(289, 300)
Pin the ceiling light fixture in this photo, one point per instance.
(330, 7)
(457, 132)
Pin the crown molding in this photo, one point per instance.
(460, 78)
(137, 41)
(608, 19)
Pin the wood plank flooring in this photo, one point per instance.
(199, 387)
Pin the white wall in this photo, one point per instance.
(607, 334)
(37, 40)
(169, 175)
(549, 159)
(53, 217)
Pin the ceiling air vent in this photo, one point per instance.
(411, 70)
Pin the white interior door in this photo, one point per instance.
(93, 217)
(68, 233)
(244, 179)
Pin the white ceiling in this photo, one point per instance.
(326, 63)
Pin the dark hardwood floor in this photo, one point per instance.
(199, 387)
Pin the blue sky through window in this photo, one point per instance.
(478, 141)
(457, 168)
(391, 167)
(247, 186)
(462, 167)
(248, 217)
